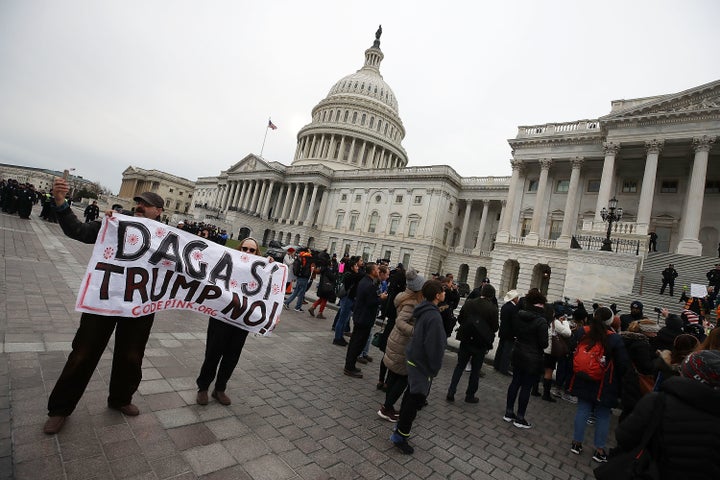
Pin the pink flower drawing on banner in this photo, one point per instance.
(275, 289)
(160, 232)
(109, 253)
(167, 263)
(133, 239)
(244, 258)
(197, 255)
(252, 285)
(233, 283)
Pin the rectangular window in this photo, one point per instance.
(353, 221)
(712, 186)
(593, 186)
(333, 246)
(562, 186)
(388, 254)
(629, 186)
(446, 231)
(526, 225)
(358, 198)
(417, 200)
(171, 190)
(412, 228)
(180, 193)
(339, 220)
(452, 205)
(398, 198)
(394, 224)
(343, 197)
(406, 259)
(669, 186)
(555, 229)
(532, 185)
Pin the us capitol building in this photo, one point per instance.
(349, 189)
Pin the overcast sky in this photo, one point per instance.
(187, 86)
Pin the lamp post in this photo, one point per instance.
(610, 215)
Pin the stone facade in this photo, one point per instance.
(176, 191)
(349, 189)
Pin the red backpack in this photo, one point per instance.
(590, 361)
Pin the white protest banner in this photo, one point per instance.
(698, 290)
(140, 266)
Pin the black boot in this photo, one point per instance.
(547, 386)
(535, 392)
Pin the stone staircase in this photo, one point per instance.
(648, 280)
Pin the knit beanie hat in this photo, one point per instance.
(605, 315)
(703, 366)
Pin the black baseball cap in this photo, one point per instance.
(151, 198)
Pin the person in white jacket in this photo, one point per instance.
(558, 327)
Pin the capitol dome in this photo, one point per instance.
(357, 125)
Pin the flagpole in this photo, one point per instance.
(263, 144)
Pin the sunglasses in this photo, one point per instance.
(247, 249)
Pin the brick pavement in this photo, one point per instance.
(294, 414)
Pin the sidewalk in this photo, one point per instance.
(294, 414)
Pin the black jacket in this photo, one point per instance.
(686, 444)
(531, 332)
(366, 302)
(506, 313)
(478, 320)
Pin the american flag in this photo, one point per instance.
(271, 125)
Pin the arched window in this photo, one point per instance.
(372, 122)
(362, 120)
(354, 117)
(347, 114)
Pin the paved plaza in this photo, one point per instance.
(294, 414)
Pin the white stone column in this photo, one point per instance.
(341, 152)
(647, 194)
(689, 244)
(268, 197)
(301, 205)
(256, 208)
(466, 222)
(288, 202)
(243, 195)
(351, 156)
(226, 195)
(503, 235)
(294, 204)
(253, 200)
(238, 188)
(571, 204)
(251, 193)
(362, 153)
(311, 208)
(606, 180)
(483, 223)
(324, 194)
(533, 238)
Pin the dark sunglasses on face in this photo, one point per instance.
(247, 249)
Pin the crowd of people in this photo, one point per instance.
(598, 359)
(18, 198)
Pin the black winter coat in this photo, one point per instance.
(478, 320)
(506, 313)
(531, 338)
(641, 356)
(686, 444)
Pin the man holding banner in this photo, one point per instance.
(91, 338)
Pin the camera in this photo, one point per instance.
(657, 310)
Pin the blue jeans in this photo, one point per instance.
(475, 355)
(346, 306)
(602, 422)
(299, 292)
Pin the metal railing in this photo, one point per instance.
(619, 245)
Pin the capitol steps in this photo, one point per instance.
(648, 281)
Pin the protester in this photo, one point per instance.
(424, 359)
(478, 321)
(600, 361)
(501, 362)
(395, 359)
(223, 348)
(530, 328)
(93, 334)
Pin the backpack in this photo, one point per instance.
(297, 265)
(589, 361)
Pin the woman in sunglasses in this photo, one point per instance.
(223, 348)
